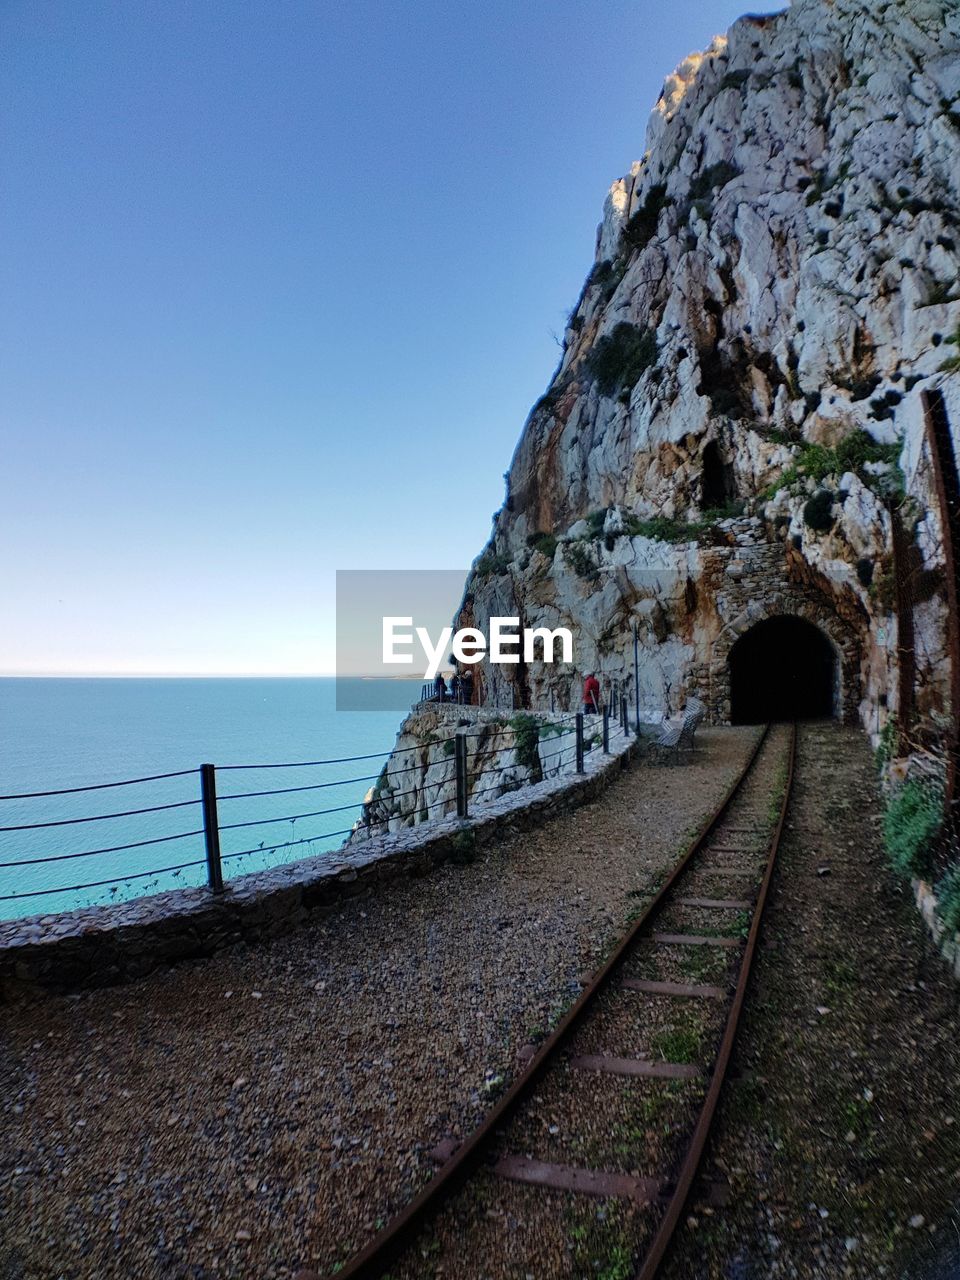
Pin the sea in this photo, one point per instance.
(142, 832)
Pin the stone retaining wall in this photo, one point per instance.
(98, 946)
(947, 942)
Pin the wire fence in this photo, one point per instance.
(40, 831)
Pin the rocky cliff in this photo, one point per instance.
(735, 431)
(735, 421)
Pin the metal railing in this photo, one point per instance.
(208, 831)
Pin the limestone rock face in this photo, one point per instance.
(775, 284)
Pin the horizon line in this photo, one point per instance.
(201, 675)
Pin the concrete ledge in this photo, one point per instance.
(948, 943)
(98, 946)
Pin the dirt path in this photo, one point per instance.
(264, 1109)
(842, 1144)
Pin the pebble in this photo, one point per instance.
(916, 1222)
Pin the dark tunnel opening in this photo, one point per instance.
(782, 669)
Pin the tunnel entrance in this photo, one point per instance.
(782, 669)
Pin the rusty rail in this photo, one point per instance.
(387, 1245)
(691, 1161)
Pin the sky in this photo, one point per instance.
(279, 284)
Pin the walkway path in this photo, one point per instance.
(258, 1111)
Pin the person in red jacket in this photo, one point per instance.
(591, 695)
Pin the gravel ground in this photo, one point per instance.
(264, 1110)
(842, 1141)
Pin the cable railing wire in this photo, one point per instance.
(101, 817)
(287, 844)
(307, 764)
(548, 731)
(291, 817)
(98, 786)
(97, 884)
(318, 786)
(90, 853)
(315, 786)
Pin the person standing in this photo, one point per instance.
(591, 695)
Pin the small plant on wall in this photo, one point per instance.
(910, 825)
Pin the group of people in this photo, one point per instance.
(460, 688)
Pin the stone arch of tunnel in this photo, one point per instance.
(783, 668)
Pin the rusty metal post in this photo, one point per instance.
(946, 483)
(211, 826)
(636, 673)
(906, 654)
(460, 766)
(579, 742)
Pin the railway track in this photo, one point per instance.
(590, 1157)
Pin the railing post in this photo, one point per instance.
(623, 713)
(606, 731)
(211, 826)
(460, 763)
(579, 742)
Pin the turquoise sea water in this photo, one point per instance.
(56, 734)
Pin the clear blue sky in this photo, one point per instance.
(279, 283)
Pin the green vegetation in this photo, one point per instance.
(713, 177)
(948, 898)
(817, 461)
(940, 293)
(664, 529)
(600, 1247)
(822, 182)
(463, 847)
(678, 1044)
(887, 745)
(881, 408)
(595, 521)
(865, 571)
(608, 274)
(620, 358)
(526, 734)
(491, 563)
(545, 543)
(910, 825)
(642, 227)
(952, 363)
(578, 558)
(818, 511)
(734, 80)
